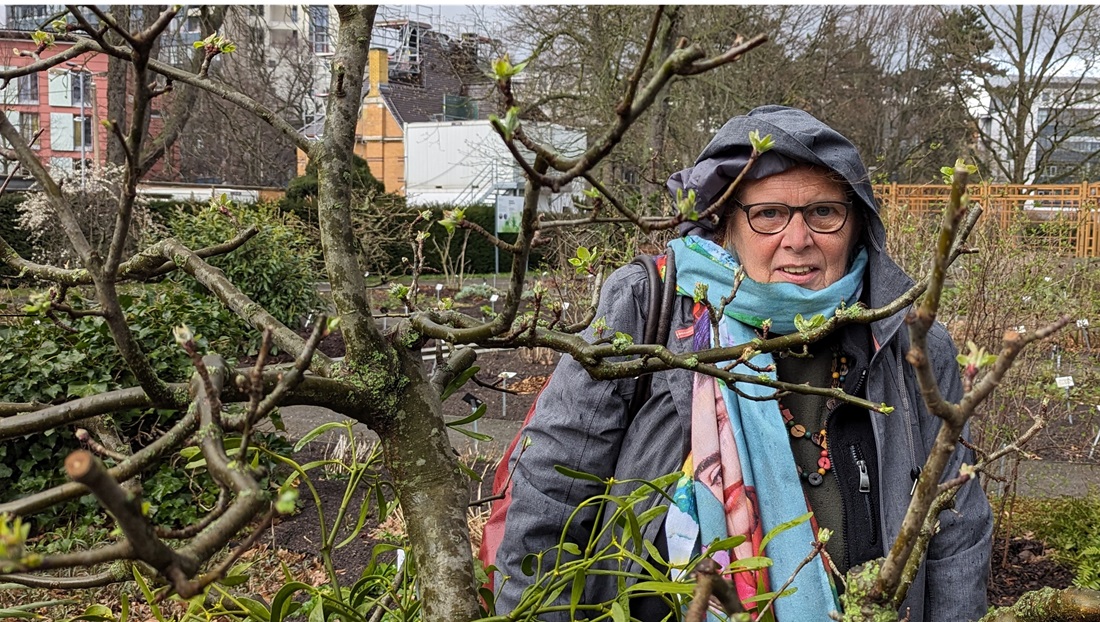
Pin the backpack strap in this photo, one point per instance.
(658, 323)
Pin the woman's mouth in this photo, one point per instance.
(797, 270)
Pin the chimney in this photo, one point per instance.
(378, 62)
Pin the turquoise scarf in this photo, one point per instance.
(740, 478)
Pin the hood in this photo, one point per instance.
(799, 138)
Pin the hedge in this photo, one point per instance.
(10, 230)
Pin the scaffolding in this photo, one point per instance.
(401, 33)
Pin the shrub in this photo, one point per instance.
(40, 362)
(301, 192)
(10, 230)
(274, 268)
(482, 291)
(93, 198)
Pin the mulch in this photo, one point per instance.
(1028, 566)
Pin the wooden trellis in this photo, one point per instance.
(1062, 217)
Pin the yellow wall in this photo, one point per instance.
(380, 141)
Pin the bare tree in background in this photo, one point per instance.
(226, 144)
(1042, 99)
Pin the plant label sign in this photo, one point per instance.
(1064, 382)
(509, 211)
(1082, 323)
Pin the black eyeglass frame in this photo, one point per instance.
(745, 207)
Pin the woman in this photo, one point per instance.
(804, 226)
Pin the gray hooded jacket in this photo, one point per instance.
(582, 423)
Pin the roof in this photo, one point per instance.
(416, 98)
(445, 69)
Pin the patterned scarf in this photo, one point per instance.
(740, 477)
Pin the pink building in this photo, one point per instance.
(67, 102)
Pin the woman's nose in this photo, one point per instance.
(797, 235)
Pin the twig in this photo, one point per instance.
(193, 588)
(817, 547)
(294, 377)
(120, 572)
(709, 582)
(212, 393)
(85, 437)
(524, 443)
(190, 530)
(255, 393)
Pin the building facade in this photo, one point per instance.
(62, 107)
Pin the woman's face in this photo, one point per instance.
(795, 254)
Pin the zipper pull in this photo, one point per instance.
(864, 477)
(915, 474)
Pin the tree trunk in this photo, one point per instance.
(117, 85)
(434, 496)
(399, 402)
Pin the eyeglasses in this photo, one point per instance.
(820, 217)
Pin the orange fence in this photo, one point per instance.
(1062, 217)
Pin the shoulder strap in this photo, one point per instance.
(658, 322)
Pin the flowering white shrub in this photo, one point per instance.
(94, 199)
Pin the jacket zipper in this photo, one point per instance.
(865, 489)
(908, 422)
(859, 384)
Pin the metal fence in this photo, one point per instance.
(1063, 218)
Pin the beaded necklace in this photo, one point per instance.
(816, 475)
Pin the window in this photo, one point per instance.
(318, 29)
(28, 89)
(82, 87)
(82, 126)
(30, 16)
(82, 165)
(29, 126)
(176, 55)
(294, 13)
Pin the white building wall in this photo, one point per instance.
(467, 162)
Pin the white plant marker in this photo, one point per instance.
(504, 376)
(1066, 382)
